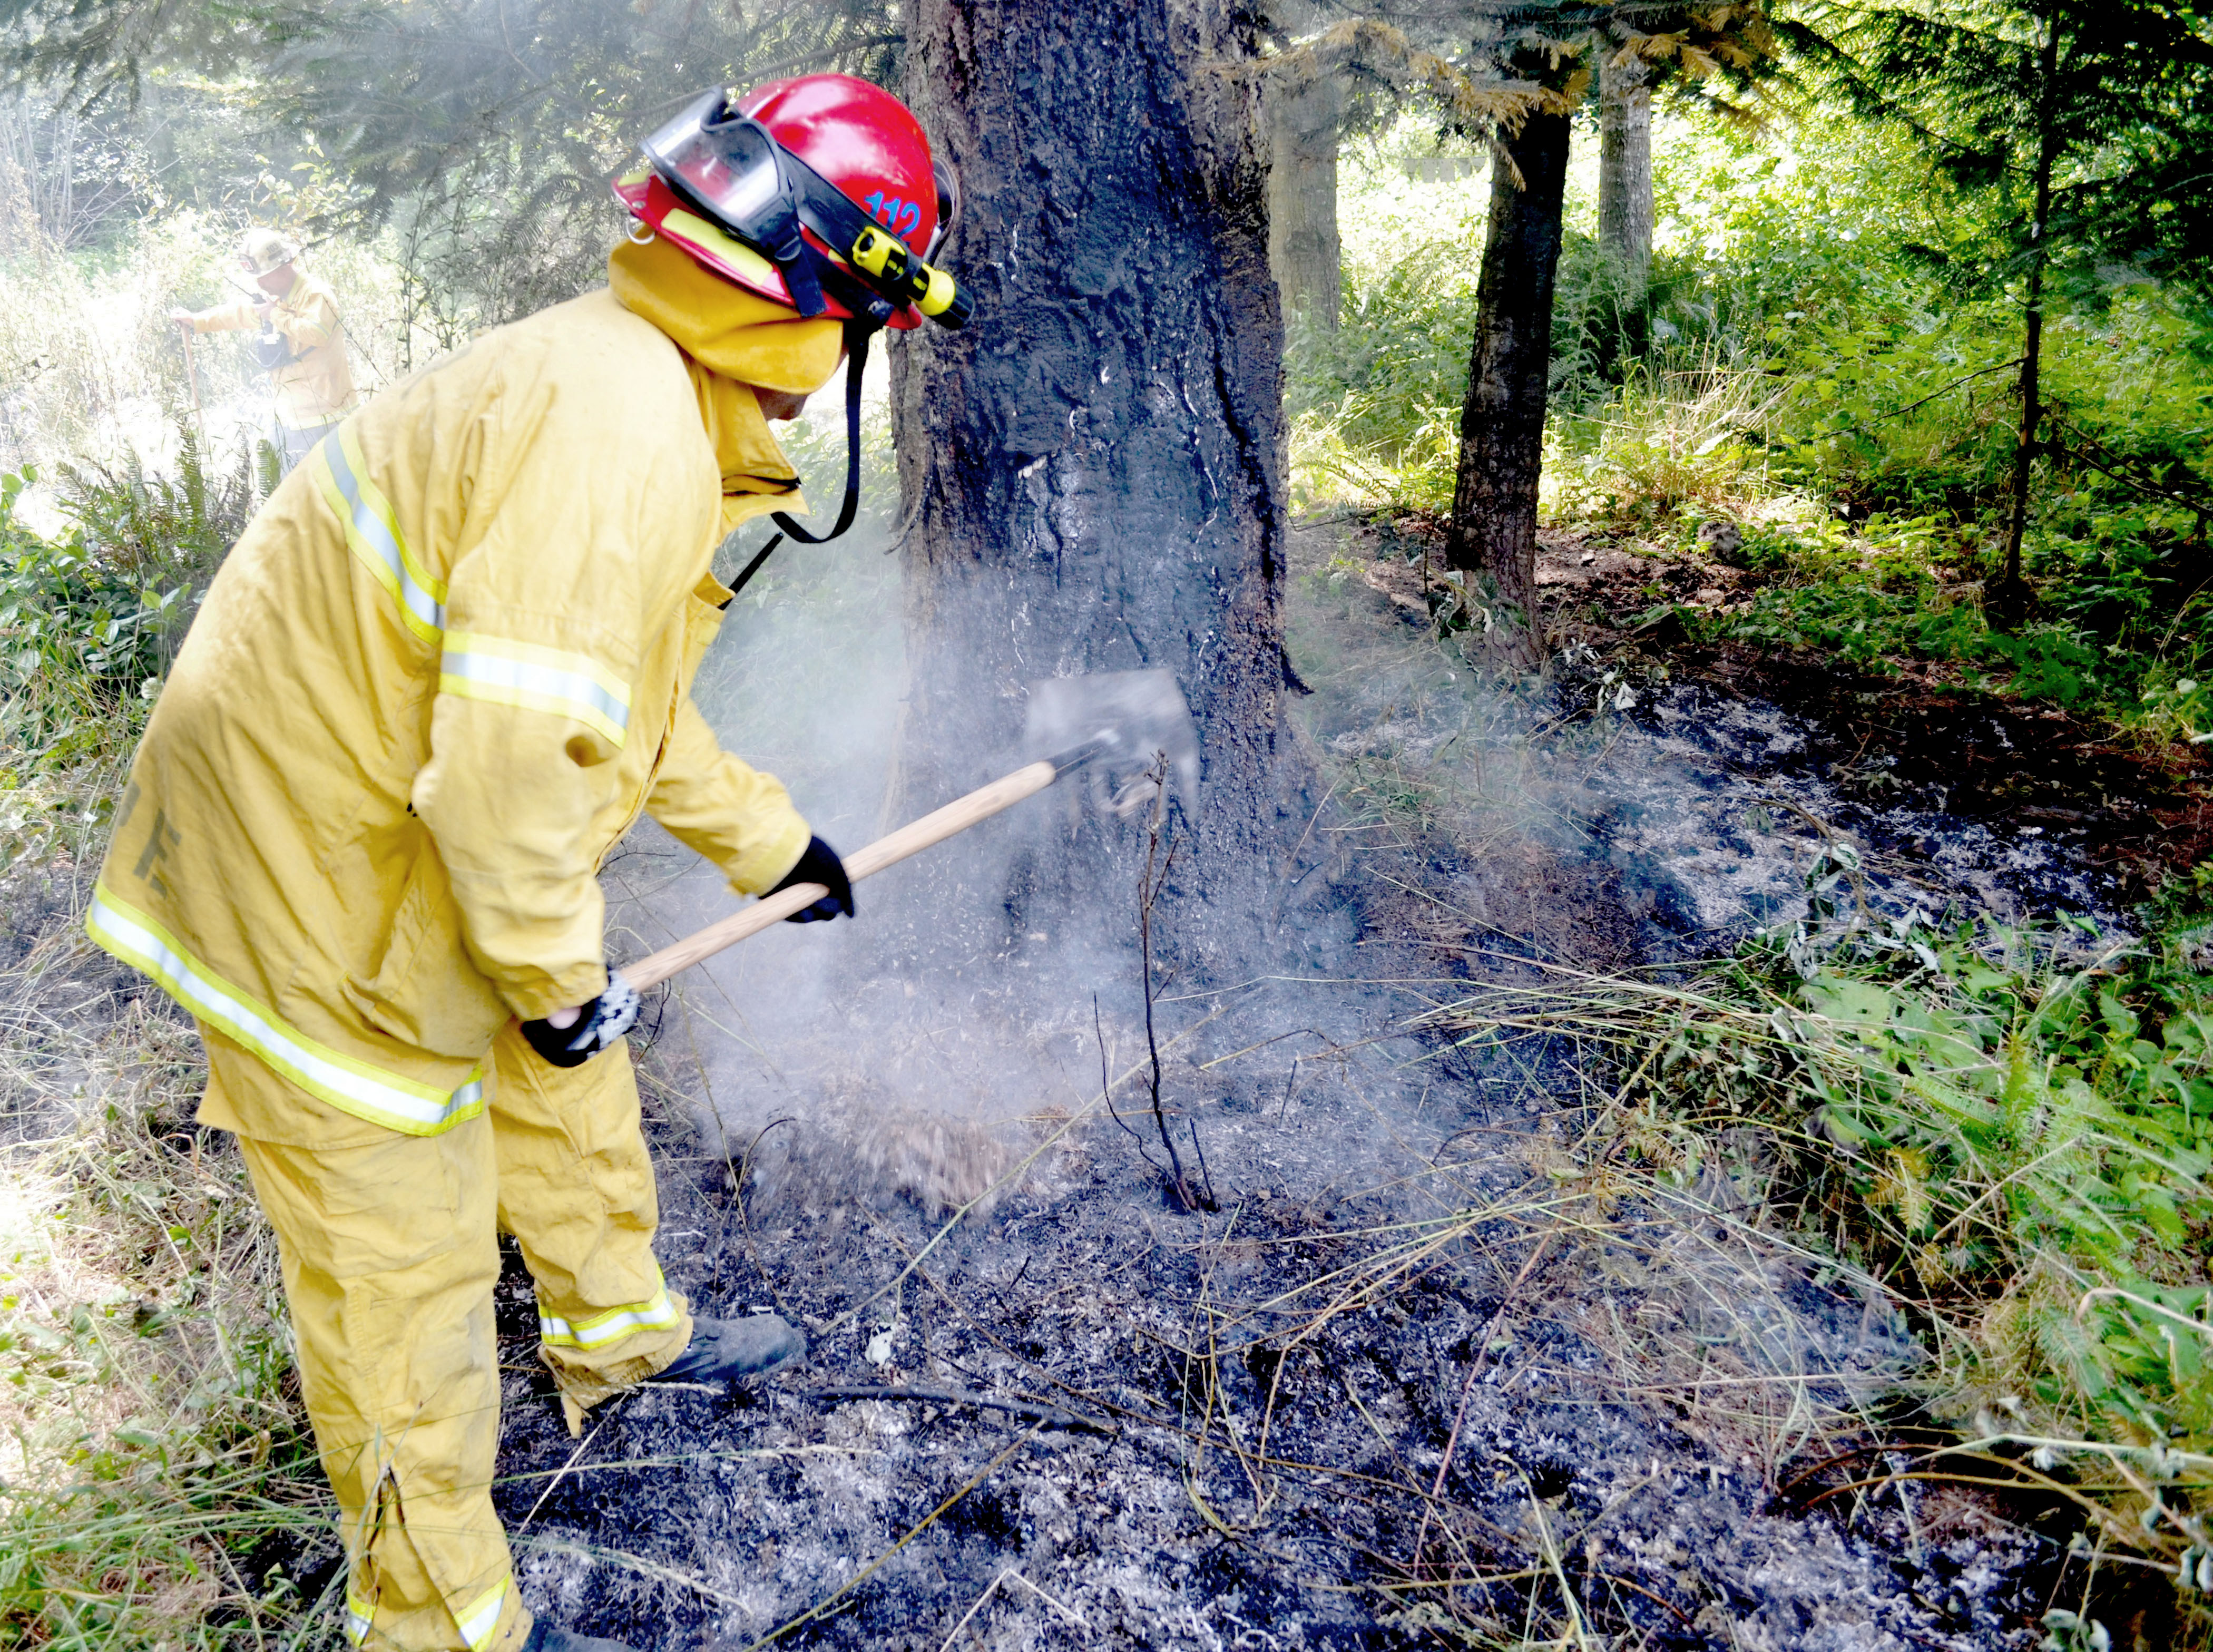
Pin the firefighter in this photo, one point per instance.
(298, 339)
(441, 674)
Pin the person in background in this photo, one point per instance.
(298, 339)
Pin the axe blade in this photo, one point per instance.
(1119, 719)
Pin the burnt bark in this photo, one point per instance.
(1091, 471)
(1305, 118)
(1501, 426)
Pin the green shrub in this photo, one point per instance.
(2015, 1136)
(2009, 1130)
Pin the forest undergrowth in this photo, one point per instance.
(2006, 1127)
(1822, 404)
(2011, 1128)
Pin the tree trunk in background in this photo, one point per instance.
(2008, 602)
(1091, 470)
(1501, 427)
(1625, 184)
(1306, 113)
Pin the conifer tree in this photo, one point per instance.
(1550, 49)
(2089, 120)
(484, 130)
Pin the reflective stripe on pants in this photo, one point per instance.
(390, 1254)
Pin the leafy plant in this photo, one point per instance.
(108, 598)
(89, 620)
(2013, 1130)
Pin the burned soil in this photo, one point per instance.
(1419, 1364)
(2127, 812)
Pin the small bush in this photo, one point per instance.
(2010, 1130)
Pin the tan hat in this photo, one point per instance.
(264, 250)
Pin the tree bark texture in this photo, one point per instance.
(1501, 426)
(1624, 171)
(1091, 471)
(1306, 116)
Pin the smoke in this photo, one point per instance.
(820, 1060)
(1607, 819)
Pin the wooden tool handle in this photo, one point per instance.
(913, 838)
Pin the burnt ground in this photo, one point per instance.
(2132, 813)
(1427, 1371)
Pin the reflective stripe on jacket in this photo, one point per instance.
(316, 386)
(438, 678)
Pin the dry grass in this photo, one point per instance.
(1682, 435)
(157, 1487)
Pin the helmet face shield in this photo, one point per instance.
(729, 168)
(949, 207)
(831, 249)
(260, 251)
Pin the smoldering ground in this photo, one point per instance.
(1423, 1364)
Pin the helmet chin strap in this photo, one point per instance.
(858, 332)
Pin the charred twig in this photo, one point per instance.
(1205, 1176)
(1011, 1576)
(575, 1457)
(869, 1570)
(1616, 1578)
(1147, 890)
(745, 1221)
(1475, 1368)
(1286, 883)
(1149, 886)
(1107, 1089)
(1045, 1417)
(1213, 1399)
(722, 1140)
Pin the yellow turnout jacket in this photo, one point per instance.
(316, 386)
(437, 681)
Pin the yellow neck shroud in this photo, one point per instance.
(732, 340)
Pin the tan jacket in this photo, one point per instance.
(443, 671)
(316, 386)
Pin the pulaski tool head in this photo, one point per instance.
(1115, 723)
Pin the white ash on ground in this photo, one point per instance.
(1408, 1286)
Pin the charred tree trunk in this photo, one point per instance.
(1091, 470)
(1501, 426)
(1306, 115)
(1624, 185)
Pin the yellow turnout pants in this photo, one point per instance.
(390, 1253)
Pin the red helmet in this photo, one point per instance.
(812, 191)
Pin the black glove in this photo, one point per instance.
(820, 864)
(603, 1020)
